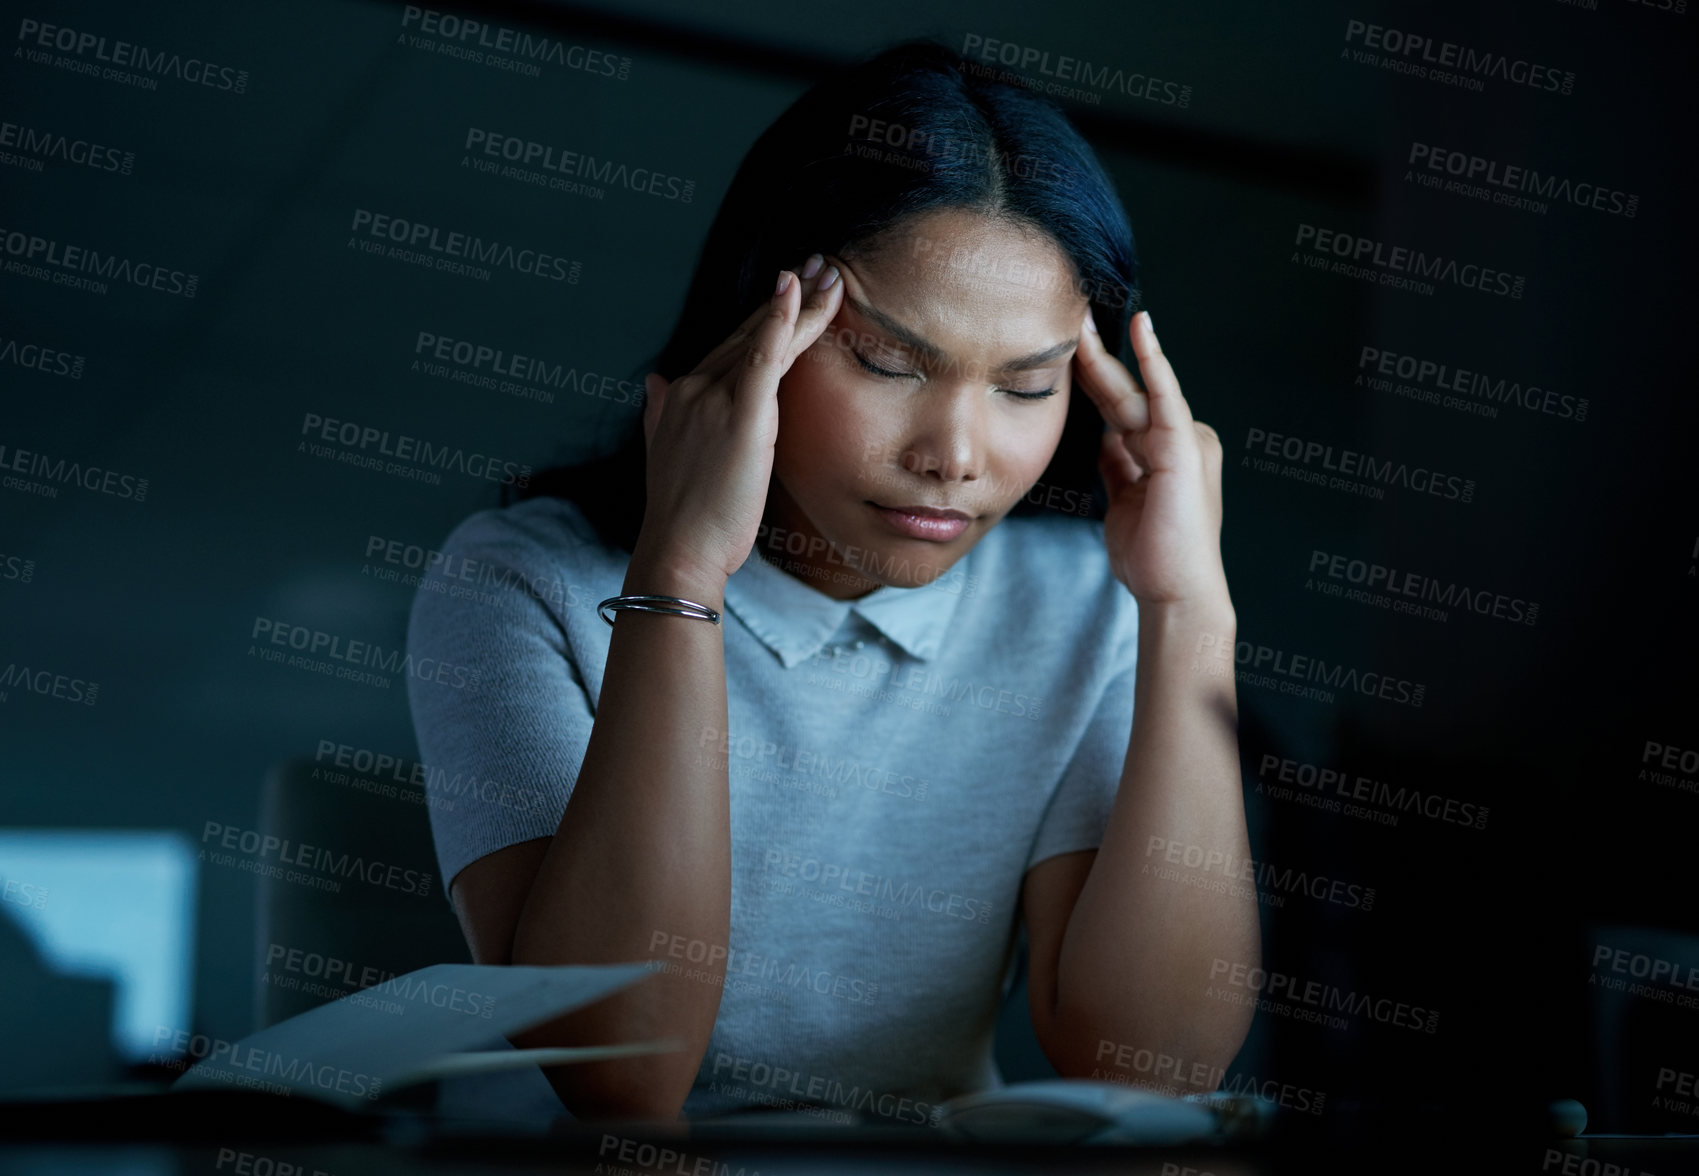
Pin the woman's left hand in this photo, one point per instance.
(1163, 473)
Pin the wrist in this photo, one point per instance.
(652, 575)
(1214, 614)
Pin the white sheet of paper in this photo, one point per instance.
(488, 1061)
(355, 1049)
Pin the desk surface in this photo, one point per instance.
(237, 1134)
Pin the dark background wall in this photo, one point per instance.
(1544, 725)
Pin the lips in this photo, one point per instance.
(931, 523)
(925, 511)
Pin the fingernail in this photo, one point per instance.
(1090, 323)
(784, 282)
(831, 276)
(815, 261)
(1149, 328)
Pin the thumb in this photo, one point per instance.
(654, 397)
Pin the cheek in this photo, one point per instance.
(829, 426)
(1032, 436)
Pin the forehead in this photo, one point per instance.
(969, 283)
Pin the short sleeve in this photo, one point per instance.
(499, 756)
(1078, 812)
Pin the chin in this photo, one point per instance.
(912, 563)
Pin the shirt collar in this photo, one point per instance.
(795, 620)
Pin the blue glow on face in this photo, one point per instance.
(113, 904)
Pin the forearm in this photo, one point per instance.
(641, 861)
(1137, 955)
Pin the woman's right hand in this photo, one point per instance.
(709, 437)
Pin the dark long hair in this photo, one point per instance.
(913, 129)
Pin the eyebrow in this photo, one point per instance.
(933, 352)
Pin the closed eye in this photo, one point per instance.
(890, 375)
(879, 371)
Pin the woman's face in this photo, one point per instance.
(967, 313)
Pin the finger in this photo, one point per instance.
(765, 361)
(1108, 382)
(1168, 409)
(1116, 464)
(819, 307)
(724, 357)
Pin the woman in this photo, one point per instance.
(825, 809)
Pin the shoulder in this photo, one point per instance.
(541, 551)
(538, 539)
(543, 526)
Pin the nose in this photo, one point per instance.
(947, 431)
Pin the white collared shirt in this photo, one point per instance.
(896, 764)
